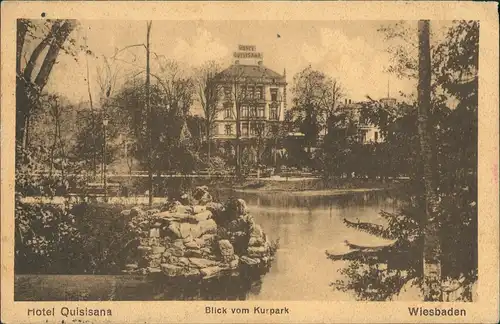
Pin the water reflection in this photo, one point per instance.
(305, 225)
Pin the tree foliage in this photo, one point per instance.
(454, 125)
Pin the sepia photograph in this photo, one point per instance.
(251, 160)
(201, 167)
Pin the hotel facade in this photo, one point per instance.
(253, 103)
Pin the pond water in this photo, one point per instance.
(306, 226)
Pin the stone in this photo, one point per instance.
(174, 229)
(234, 263)
(174, 204)
(257, 251)
(158, 249)
(202, 195)
(249, 261)
(171, 270)
(211, 272)
(143, 248)
(181, 217)
(189, 238)
(226, 250)
(153, 241)
(178, 244)
(192, 245)
(202, 263)
(157, 225)
(203, 216)
(181, 209)
(163, 214)
(154, 232)
(255, 241)
(183, 261)
(205, 199)
(155, 256)
(207, 237)
(177, 252)
(187, 230)
(191, 272)
(199, 209)
(176, 249)
(206, 250)
(214, 207)
(155, 263)
(206, 227)
(196, 253)
(154, 270)
(131, 266)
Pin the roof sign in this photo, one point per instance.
(257, 55)
(247, 51)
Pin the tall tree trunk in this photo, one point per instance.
(208, 122)
(27, 91)
(432, 247)
(150, 118)
(238, 134)
(94, 153)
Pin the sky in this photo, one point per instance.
(352, 52)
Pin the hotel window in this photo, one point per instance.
(227, 111)
(229, 129)
(362, 135)
(250, 90)
(259, 93)
(252, 111)
(227, 92)
(260, 112)
(376, 136)
(274, 95)
(258, 129)
(273, 113)
(244, 111)
(244, 129)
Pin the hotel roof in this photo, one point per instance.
(256, 73)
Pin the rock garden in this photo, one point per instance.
(196, 238)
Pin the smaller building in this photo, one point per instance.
(367, 132)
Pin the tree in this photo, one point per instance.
(340, 151)
(432, 246)
(86, 146)
(316, 96)
(453, 169)
(337, 93)
(55, 109)
(210, 93)
(53, 34)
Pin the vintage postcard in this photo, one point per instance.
(249, 162)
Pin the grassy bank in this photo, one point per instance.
(315, 186)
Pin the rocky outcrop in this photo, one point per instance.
(202, 239)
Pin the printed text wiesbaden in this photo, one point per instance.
(436, 311)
